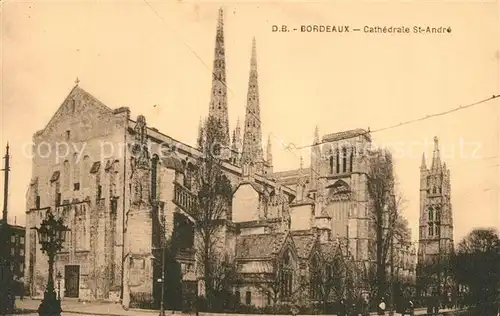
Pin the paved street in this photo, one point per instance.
(73, 307)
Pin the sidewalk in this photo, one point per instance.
(94, 308)
(112, 309)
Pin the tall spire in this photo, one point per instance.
(436, 159)
(269, 149)
(423, 166)
(218, 101)
(252, 137)
(316, 135)
(201, 139)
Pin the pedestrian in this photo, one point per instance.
(342, 308)
(365, 311)
(381, 307)
(21, 288)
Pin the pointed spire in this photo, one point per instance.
(77, 81)
(436, 160)
(252, 137)
(218, 101)
(200, 140)
(423, 166)
(269, 158)
(316, 135)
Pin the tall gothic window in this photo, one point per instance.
(286, 280)
(344, 160)
(431, 229)
(438, 222)
(58, 193)
(431, 215)
(351, 158)
(86, 172)
(337, 160)
(315, 278)
(154, 177)
(76, 172)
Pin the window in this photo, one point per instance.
(21, 240)
(431, 215)
(68, 134)
(37, 201)
(438, 230)
(76, 186)
(315, 279)
(286, 279)
(431, 229)
(434, 190)
(351, 160)
(248, 298)
(12, 251)
(58, 199)
(331, 164)
(337, 160)
(99, 192)
(21, 268)
(344, 160)
(269, 298)
(13, 239)
(21, 252)
(237, 296)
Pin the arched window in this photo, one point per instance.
(344, 160)
(351, 158)
(431, 215)
(86, 172)
(76, 172)
(337, 160)
(315, 278)
(286, 276)
(154, 177)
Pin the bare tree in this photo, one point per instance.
(213, 200)
(386, 206)
(326, 278)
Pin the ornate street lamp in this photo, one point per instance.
(51, 235)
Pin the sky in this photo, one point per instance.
(155, 57)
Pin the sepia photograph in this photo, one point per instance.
(215, 158)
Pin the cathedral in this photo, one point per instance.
(436, 225)
(123, 186)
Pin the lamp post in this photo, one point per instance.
(51, 235)
(59, 277)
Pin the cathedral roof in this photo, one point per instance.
(331, 249)
(260, 246)
(291, 177)
(345, 135)
(304, 242)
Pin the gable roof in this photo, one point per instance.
(77, 92)
(304, 242)
(259, 246)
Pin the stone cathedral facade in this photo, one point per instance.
(436, 221)
(115, 181)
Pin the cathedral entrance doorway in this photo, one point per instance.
(71, 280)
